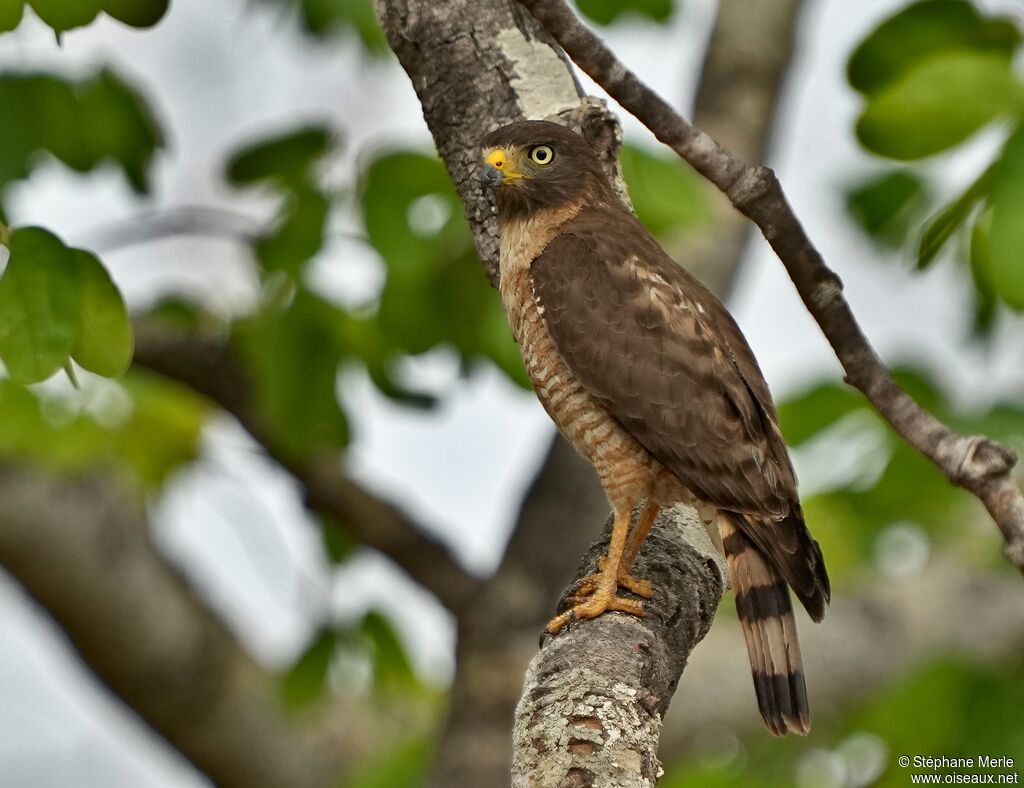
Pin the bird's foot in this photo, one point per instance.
(636, 585)
(601, 600)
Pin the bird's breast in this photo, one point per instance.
(585, 422)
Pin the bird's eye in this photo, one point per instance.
(542, 155)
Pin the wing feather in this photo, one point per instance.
(663, 355)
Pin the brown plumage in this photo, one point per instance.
(650, 378)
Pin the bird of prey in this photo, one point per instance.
(649, 377)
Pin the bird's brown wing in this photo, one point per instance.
(640, 339)
(666, 359)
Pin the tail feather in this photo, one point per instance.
(766, 617)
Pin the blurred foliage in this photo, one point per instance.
(887, 207)
(849, 518)
(605, 12)
(944, 708)
(322, 18)
(63, 15)
(144, 426)
(367, 656)
(57, 304)
(932, 76)
(667, 195)
(82, 123)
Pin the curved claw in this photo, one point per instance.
(636, 585)
(591, 607)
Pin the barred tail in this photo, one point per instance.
(766, 616)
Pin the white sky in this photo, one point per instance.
(219, 74)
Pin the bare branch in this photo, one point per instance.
(749, 53)
(208, 365)
(978, 464)
(594, 697)
(80, 548)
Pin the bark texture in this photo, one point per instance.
(80, 548)
(591, 709)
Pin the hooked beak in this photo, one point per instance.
(498, 169)
(491, 176)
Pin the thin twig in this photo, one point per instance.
(977, 464)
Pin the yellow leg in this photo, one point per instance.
(603, 597)
(637, 536)
(635, 541)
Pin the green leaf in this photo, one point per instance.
(163, 430)
(391, 668)
(64, 15)
(306, 680)
(937, 104)
(604, 12)
(401, 766)
(137, 13)
(105, 341)
(285, 158)
(943, 224)
(666, 194)
(1006, 241)
(322, 17)
(40, 294)
(805, 414)
(885, 206)
(923, 30)
(980, 261)
(118, 124)
(293, 358)
(299, 233)
(82, 124)
(11, 12)
(338, 542)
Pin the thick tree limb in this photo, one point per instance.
(208, 365)
(977, 464)
(81, 550)
(591, 710)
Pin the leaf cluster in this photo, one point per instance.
(932, 77)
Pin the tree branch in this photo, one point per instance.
(208, 365)
(977, 464)
(594, 697)
(744, 71)
(81, 550)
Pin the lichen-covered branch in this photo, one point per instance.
(80, 548)
(591, 709)
(978, 464)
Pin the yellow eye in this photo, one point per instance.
(542, 155)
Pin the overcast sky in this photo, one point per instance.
(219, 74)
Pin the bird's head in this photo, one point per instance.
(535, 164)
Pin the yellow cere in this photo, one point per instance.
(496, 158)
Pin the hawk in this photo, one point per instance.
(649, 377)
